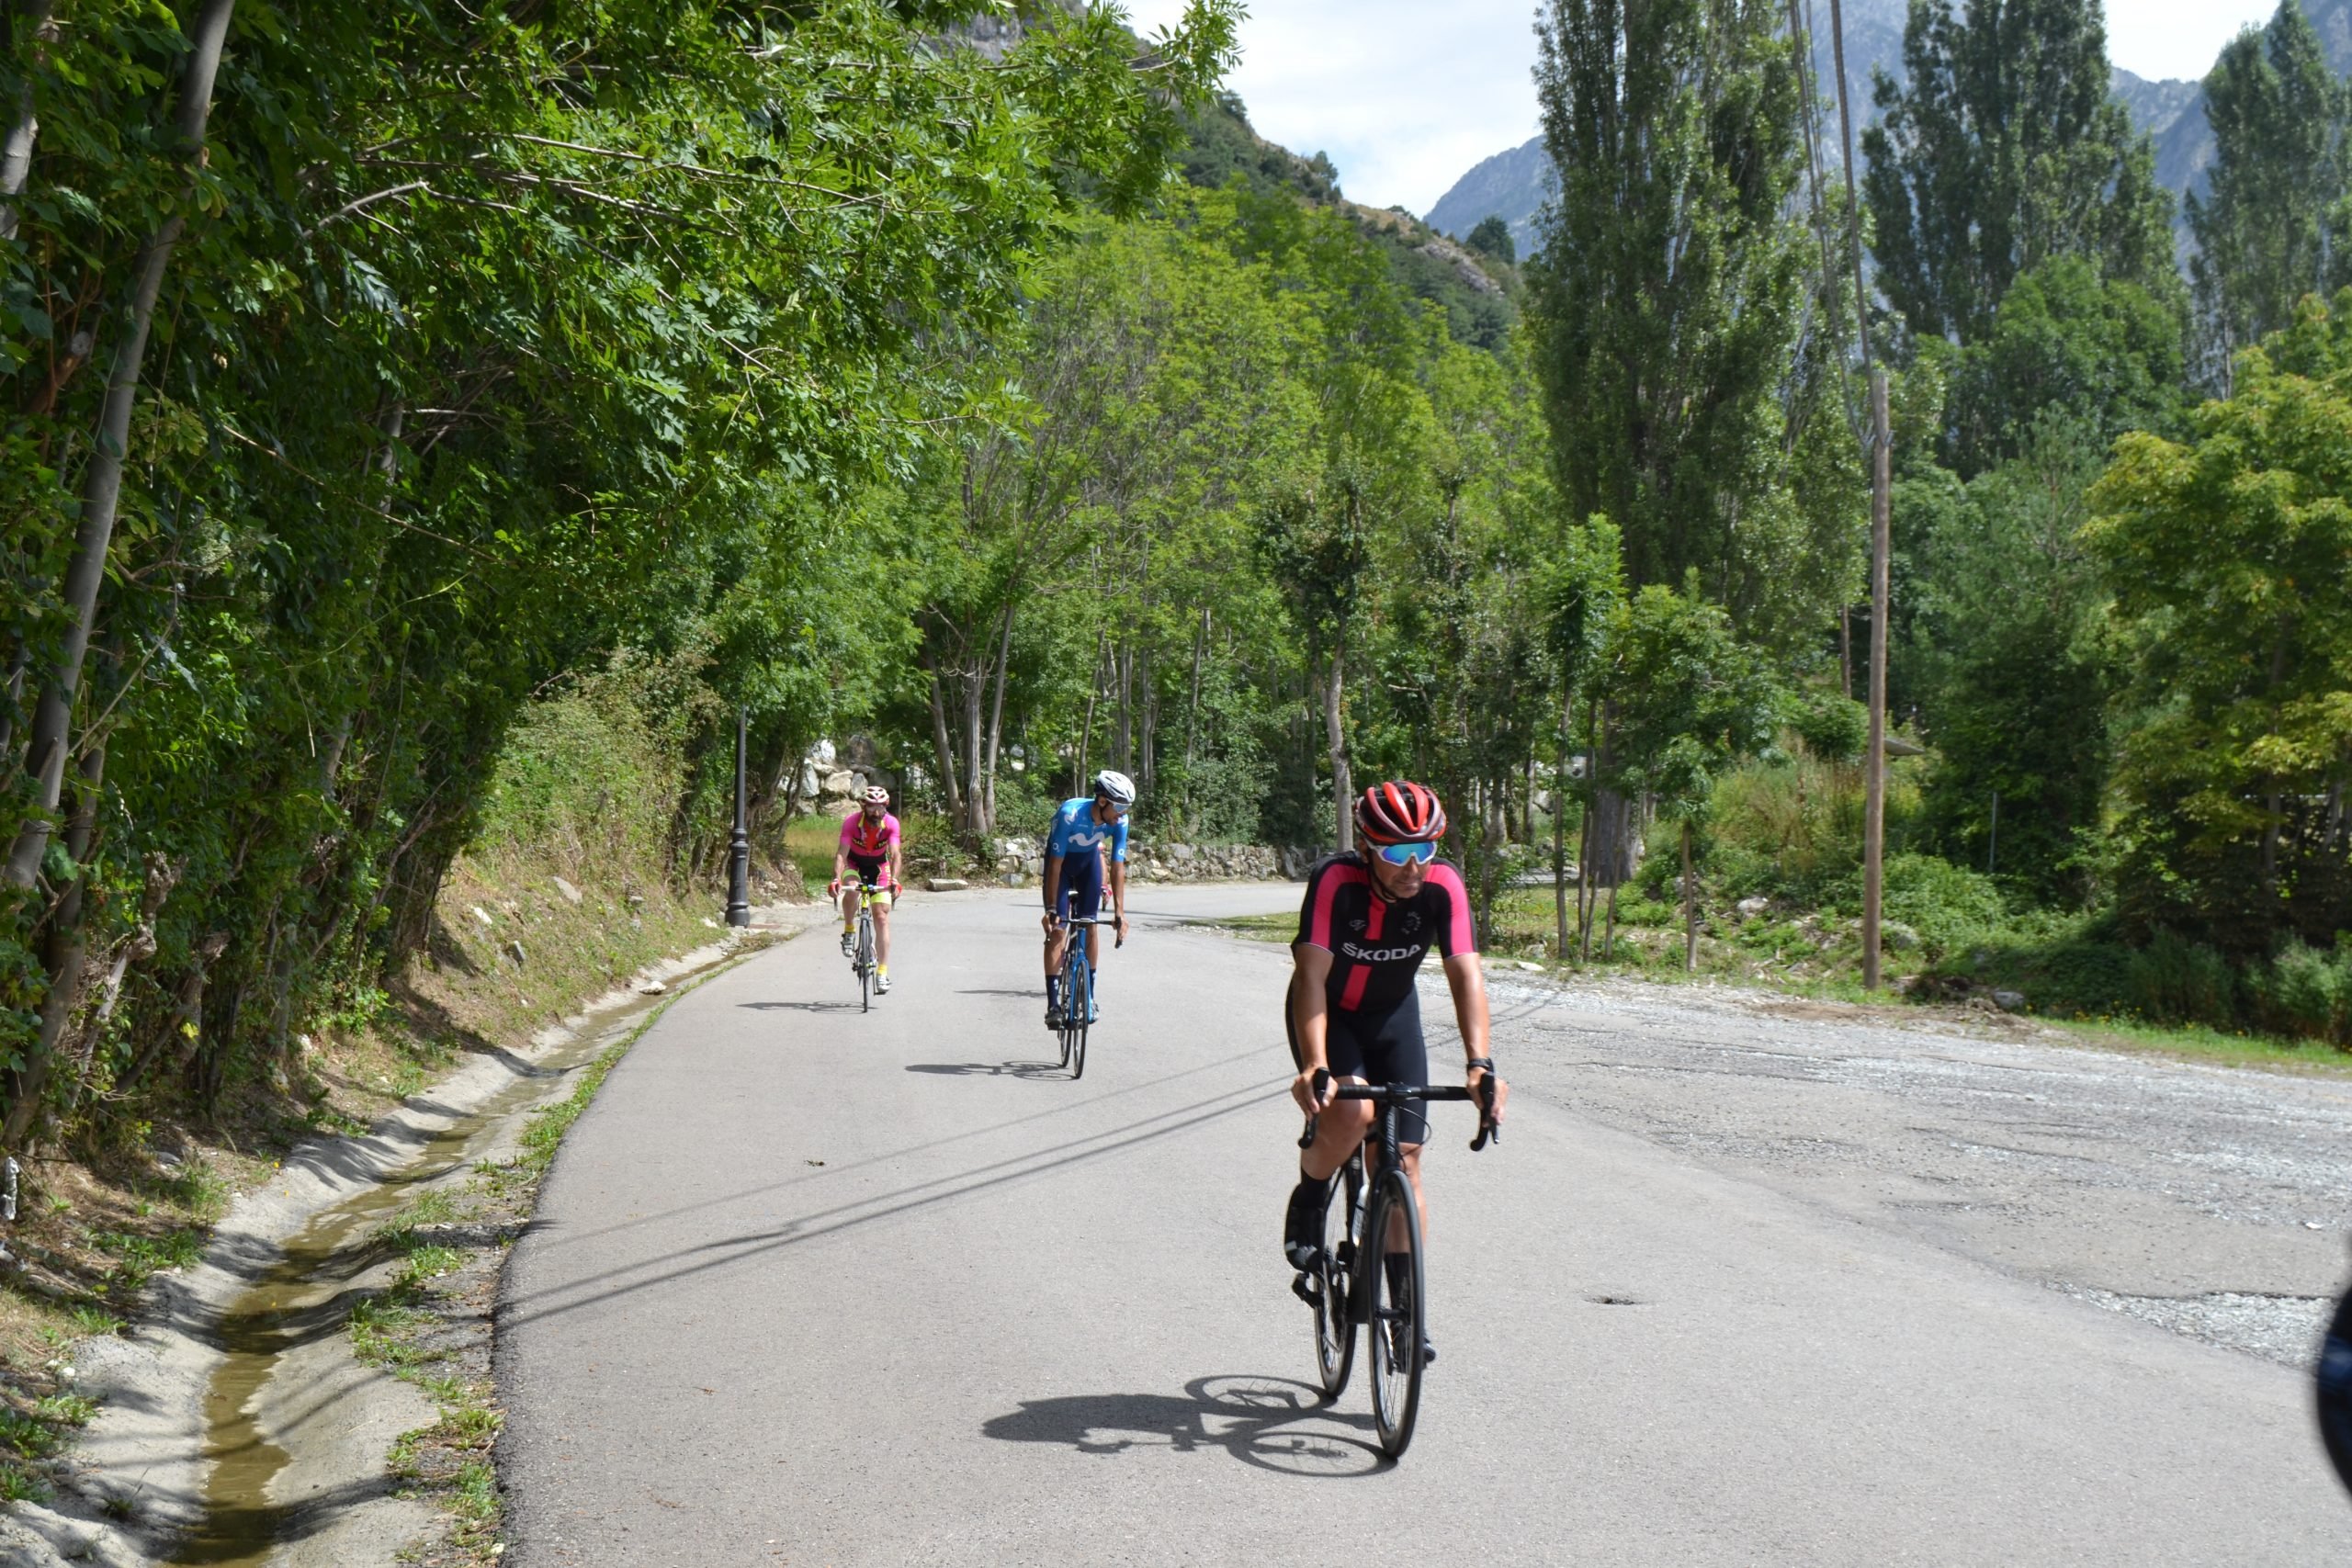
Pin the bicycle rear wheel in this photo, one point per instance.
(1395, 1322)
(1078, 997)
(1335, 1324)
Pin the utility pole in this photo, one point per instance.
(739, 847)
(1882, 446)
(1874, 771)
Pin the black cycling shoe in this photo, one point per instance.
(1303, 1224)
(1307, 1287)
(1053, 1015)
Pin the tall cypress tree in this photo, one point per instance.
(2003, 152)
(2267, 231)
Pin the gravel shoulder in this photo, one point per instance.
(2210, 1200)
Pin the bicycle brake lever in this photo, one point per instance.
(1322, 1082)
(1490, 1130)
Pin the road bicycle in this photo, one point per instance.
(1354, 1284)
(1077, 993)
(860, 960)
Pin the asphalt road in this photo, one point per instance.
(813, 1288)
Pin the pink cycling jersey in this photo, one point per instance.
(862, 839)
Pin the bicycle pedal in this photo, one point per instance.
(1306, 1287)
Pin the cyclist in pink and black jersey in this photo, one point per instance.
(1368, 920)
(869, 846)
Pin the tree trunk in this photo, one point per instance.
(61, 955)
(947, 750)
(1689, 908)
(1342, 785)
(1192, 717)
(102, 482)
(1123, 731)
(1078, 784)
(34, 32)
(1560, 834)
(996, 714)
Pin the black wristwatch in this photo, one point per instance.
(1474, 1063)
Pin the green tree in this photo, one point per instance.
(1688, 699)
(1492, 238)
(2012, 665)
(2001, 151)
(2226, 554)
(2103, 356)
(1684, 381)
(2268, 228)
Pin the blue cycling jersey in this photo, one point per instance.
(1074, 829)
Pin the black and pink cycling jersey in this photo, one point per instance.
(1375, 945)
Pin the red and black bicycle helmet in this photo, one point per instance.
(1400, 812)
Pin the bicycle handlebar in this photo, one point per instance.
(1490, 1130)
(1118, 941)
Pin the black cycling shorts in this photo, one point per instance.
(1080, 895)
(1380, 1048)
(873, 870)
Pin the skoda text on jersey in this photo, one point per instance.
(1075, 829)
(1377, 946)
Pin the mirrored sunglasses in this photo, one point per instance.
(1408, 854)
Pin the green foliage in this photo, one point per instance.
(2226, 554)
(2305, 991)
(2101, 356)
(1685, 700)
(2270, 226)
(1833, 726)
(1492, 238)
(2005, 654)
(1692, 393)
(2001, 151)
(462, 378)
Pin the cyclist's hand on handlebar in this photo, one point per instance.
(1051, 924)
(1493, 1111)
(1312, 1090)
(1123, 930)
(833, 888)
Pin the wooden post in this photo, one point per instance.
(1874, 761)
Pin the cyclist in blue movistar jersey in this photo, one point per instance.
(1085, 833)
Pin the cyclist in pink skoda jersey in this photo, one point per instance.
(1367, 922)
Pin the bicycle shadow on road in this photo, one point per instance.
(800, 1007)
(991, 1069)
(1274, 1424)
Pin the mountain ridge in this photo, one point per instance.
(1514, 184)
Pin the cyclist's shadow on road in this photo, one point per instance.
(1273, 1422)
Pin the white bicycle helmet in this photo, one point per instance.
(1115, 787)
(876, 795)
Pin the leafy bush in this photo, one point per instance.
(2174, 980)
(2305, 991)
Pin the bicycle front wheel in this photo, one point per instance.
(1077, 999)
(1392, 1272)
(865, 964)
(1335, 1324)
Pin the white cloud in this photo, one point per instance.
(1404, 95)
(1407, 94)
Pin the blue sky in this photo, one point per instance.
(1406, 95)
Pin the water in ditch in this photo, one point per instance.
(305, 1294)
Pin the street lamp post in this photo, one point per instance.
(739, 847)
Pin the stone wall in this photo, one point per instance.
(1019, 861)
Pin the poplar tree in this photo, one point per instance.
(2267, 231)
(2003, 150)
(1667, 301)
